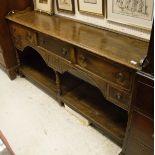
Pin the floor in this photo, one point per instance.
(34, 124)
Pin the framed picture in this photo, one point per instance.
(46, 6)
(66, 6)
(95, 7)
(137, 13)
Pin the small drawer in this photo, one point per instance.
(136, 148)
(53, 45)
(142, 129)
(22, 36)
(111, 72)
(118, 97)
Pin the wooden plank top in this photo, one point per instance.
(116, 47)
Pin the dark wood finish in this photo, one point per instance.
(148, 65)
(92, 105)
(114, 47)
(115, 74)
(8, 61)
(22, 36)
(35, 69)
(140, 131)
(145, 86)
(56, 46)
(121, 98)
(69, 47)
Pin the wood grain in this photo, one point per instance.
(118, 48)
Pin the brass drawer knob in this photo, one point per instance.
(64, 51)
(120, 77)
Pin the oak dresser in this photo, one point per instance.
(89, 69)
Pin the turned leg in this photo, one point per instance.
(58, 86)
(12, 73)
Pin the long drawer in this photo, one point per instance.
(142, 129)
(54, 45)
(113, 73)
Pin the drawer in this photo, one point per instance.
(136, 148)
(118, 97)
(142, 129)
(144, 100)
(54, 45)
(22, 36)
(57, 63)
(111, 72)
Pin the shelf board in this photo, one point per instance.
(89, 102)
(43, 78)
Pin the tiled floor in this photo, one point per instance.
(34, 124)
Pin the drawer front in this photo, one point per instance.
(53, 45)
(136, 148)
(110, 72)
(22, 36)
(57, 63)
(142, 129)
(118, 97)
(144, 100)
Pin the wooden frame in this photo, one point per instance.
(135, 15)
(102, 10)
(46, 6)
(63, 9)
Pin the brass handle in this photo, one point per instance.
(118, 96)
(120, 77)
(64, 51)
(82, 58)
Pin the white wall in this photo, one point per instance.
(102, 22)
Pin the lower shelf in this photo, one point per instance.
(43, 79)
(89, 102)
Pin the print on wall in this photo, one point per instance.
(46, 6)
(66, 5)
(91, 6)
(132, 12)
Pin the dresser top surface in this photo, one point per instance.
(116, 47)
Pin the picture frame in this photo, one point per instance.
(133, 13)
(66, 6)
(94, 7)
(46, 6)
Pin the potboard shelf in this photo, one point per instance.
(89, 102)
